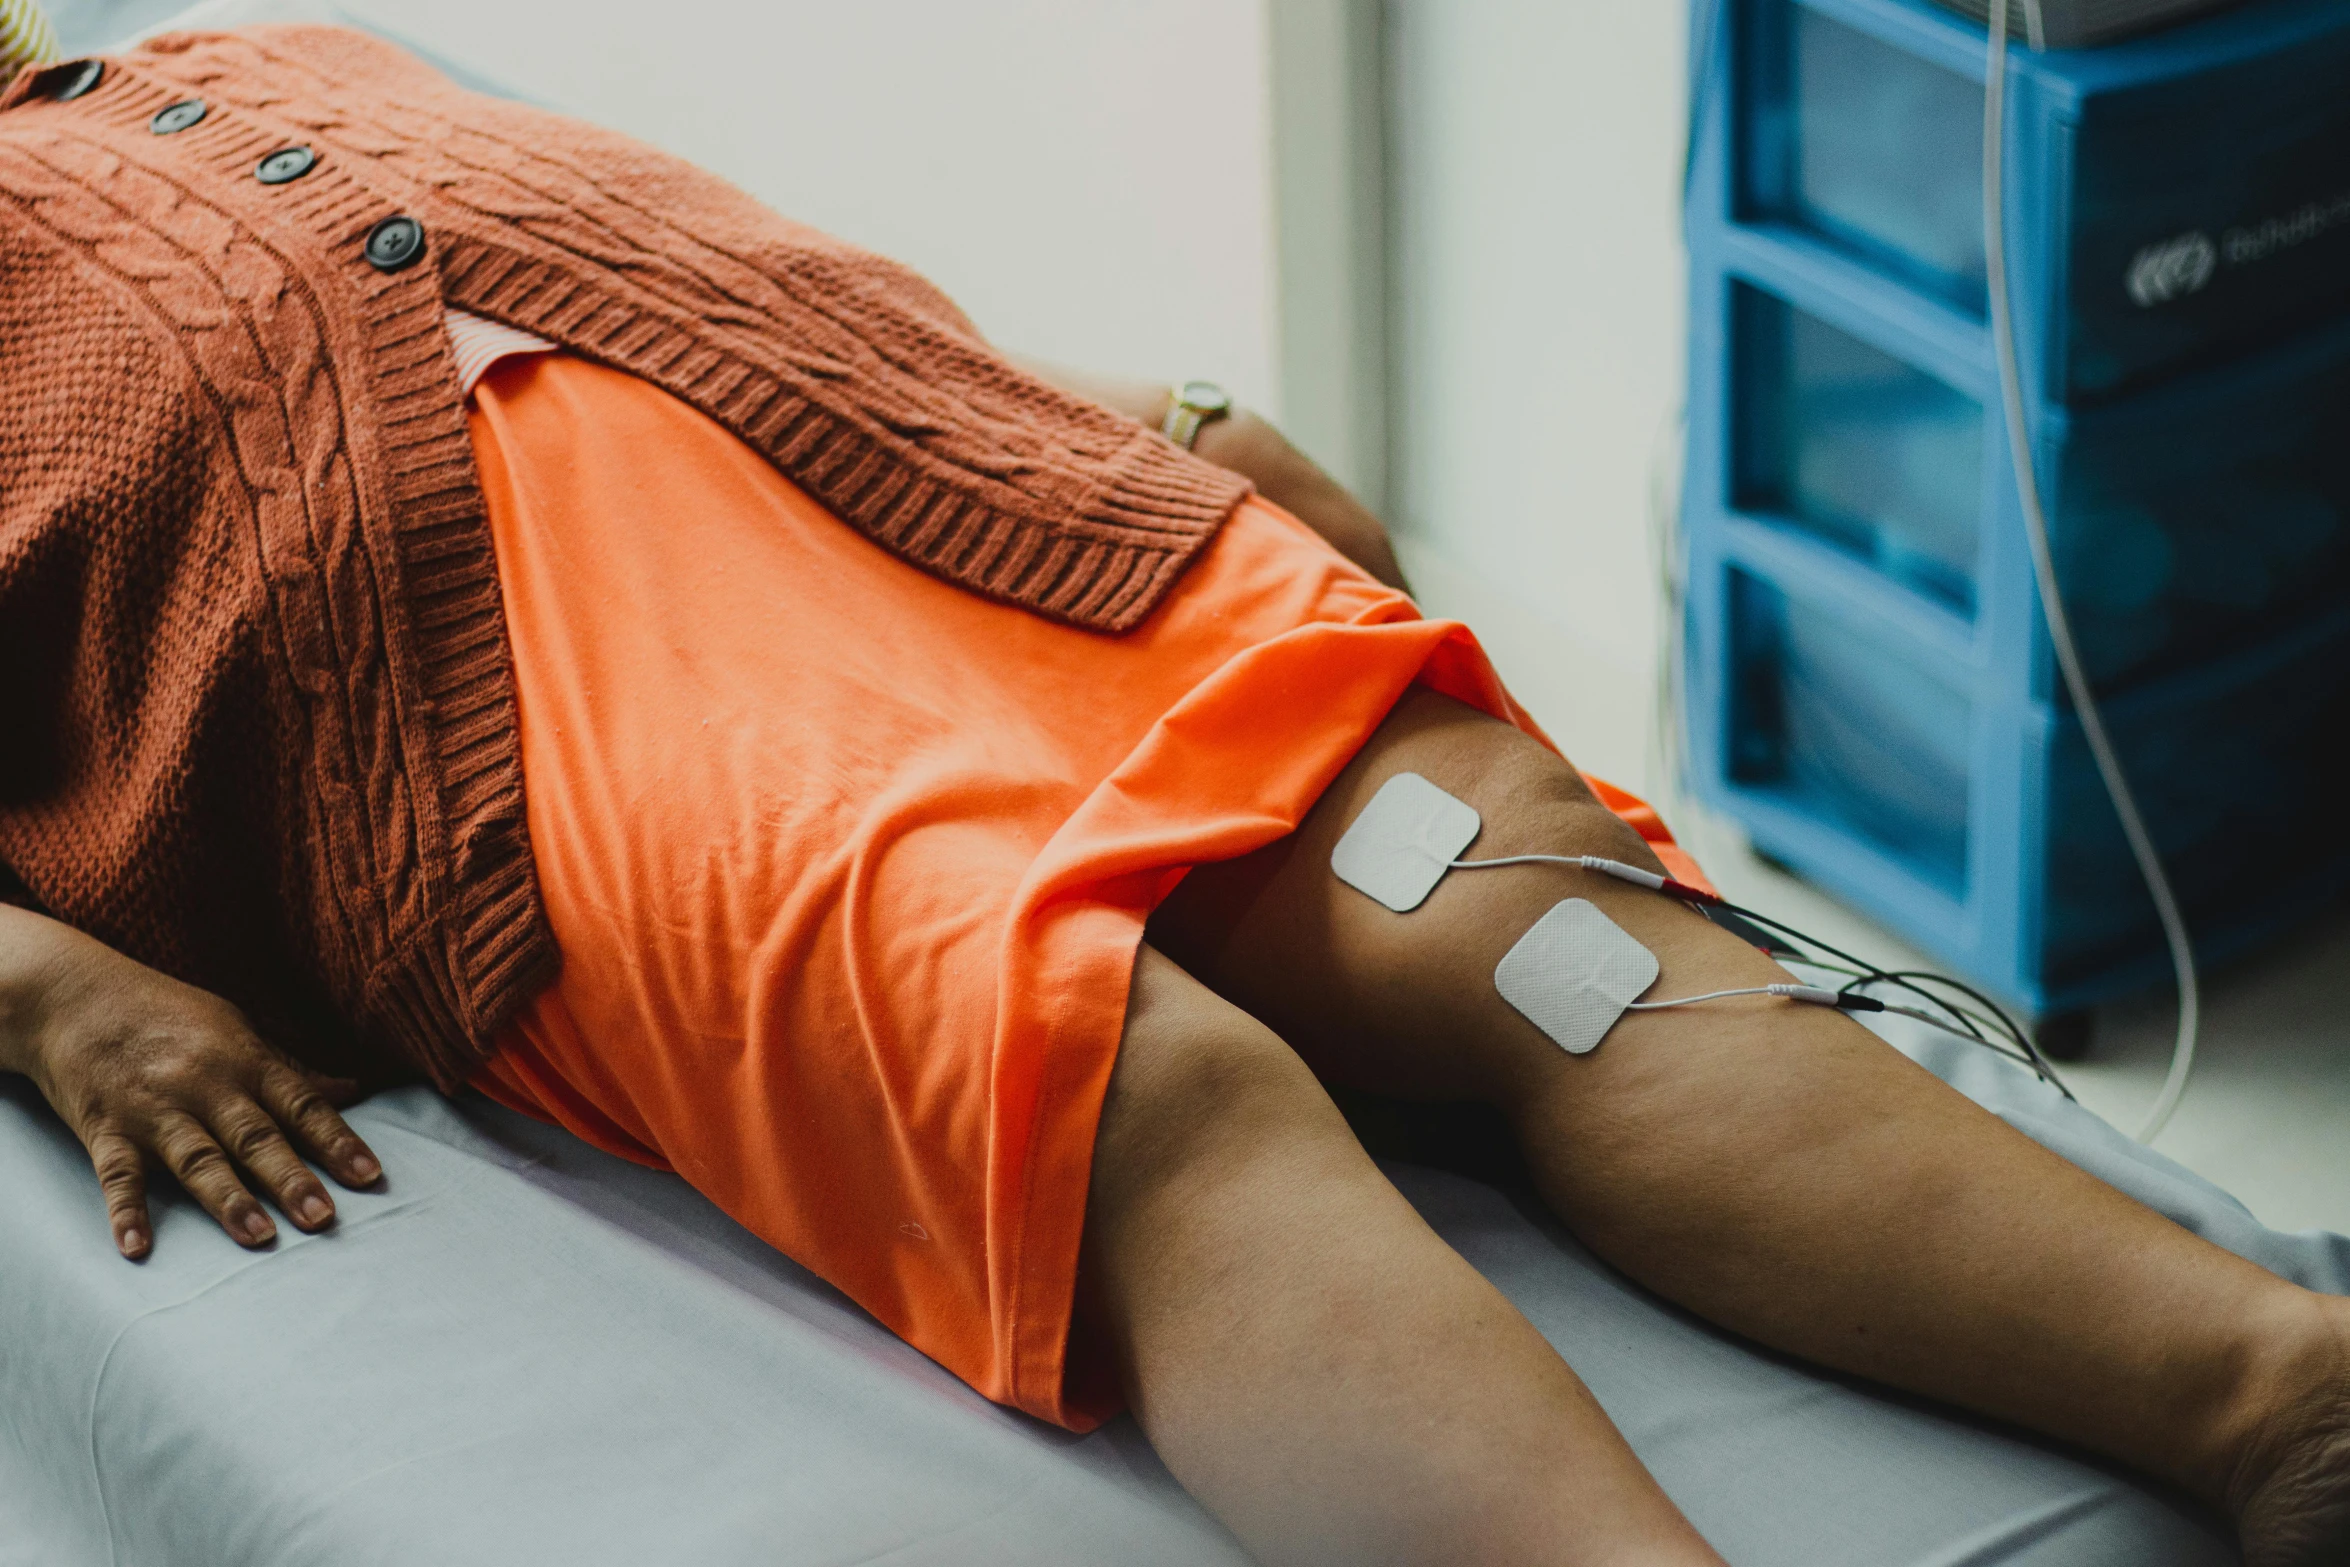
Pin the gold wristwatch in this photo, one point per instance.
(1194, 406)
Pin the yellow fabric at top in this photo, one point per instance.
(26, 38)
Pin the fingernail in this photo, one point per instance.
(313, 1211)
(133, 1242)
(257, 1227)
(365, 1167)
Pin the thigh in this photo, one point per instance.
(1311, 1360)
(1405, 1004)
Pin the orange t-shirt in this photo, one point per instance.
(848, 866)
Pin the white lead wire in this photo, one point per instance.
(1810, 995)
(1690, 1001)
(1589, 862)
(1815, 995)
(2060, 631)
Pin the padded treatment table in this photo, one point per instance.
(522, 1351)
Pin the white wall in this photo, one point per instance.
(1090, 179)
(1329, 194)
(1538, 285)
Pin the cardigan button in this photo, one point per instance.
(178, 117)
(285, 165)
(394, 243)
(65, 83)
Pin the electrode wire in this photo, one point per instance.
(1906, 979)
(2005, 1024)
(1845, 1000)
(1966, 1020)
(1997, 1049)
(1621, 872)
(2020, 1048)
(2060, 631)
(1724, 995)
(1690, 1001)
(1866, 973)
(1572, 861)
(1973, 1021)
(1913, 978)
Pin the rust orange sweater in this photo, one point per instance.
(256, 712)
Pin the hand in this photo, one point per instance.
(149, 1071)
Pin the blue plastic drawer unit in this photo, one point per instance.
(2176, 198)
(1856, 728)
(2194, 520)
(1869, 685)
(1858, 758)
(1835, 436)
(2187, 522)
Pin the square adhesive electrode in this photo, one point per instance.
(1405, 840)
(1574, 973)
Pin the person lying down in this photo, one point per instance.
(760, 728)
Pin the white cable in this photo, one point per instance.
(1969, 1014)
(2035, 30)
(1809, 995)
(1814, 994)
(1794, 992)
(1588, 862)
(2008, 1052)
(1690, 1001)
(2060, 631)
(1817, 996)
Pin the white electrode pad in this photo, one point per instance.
(1574, 973)
(1402, 844)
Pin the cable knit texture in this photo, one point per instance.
(256, 713)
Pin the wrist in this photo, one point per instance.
(35, 957)
(1191, 409)
(1245, 444)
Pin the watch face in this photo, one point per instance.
(1206, 397)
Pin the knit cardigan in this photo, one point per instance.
(257, 723)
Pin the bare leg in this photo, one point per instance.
(1324, 1374)
(1775, 1167)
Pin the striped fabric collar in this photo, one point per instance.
(26, 38)
(479, 344)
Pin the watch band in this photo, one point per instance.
(1191, 407)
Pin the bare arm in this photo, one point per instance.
(151, 1072)
(1251, 447)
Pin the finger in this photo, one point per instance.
(340, 1092)
(251, 1138)
(122, 1176)
(189, 1153)
(301, 1107)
